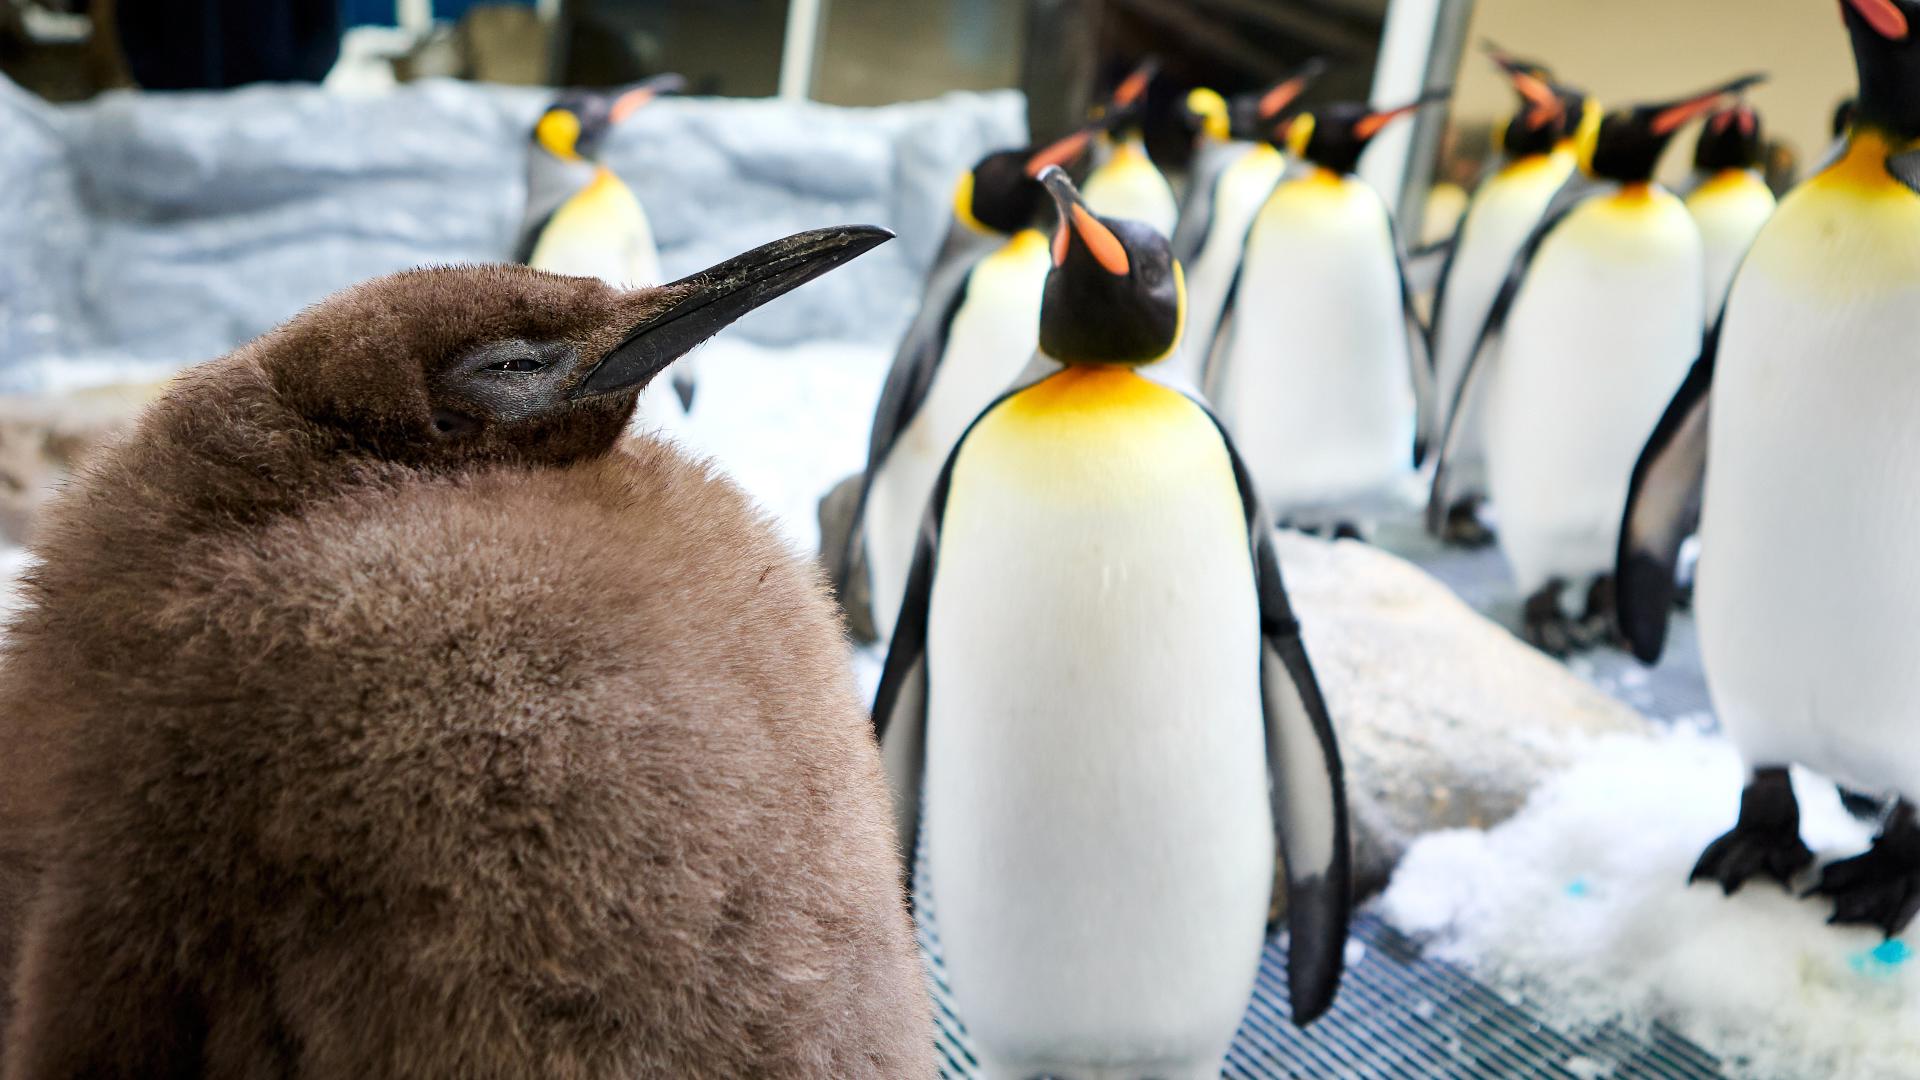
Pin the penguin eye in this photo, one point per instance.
(518, 363)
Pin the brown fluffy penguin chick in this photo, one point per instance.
(392, 719)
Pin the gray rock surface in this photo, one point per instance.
(1446, 720)
(166, 228)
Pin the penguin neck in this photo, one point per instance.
(551, 181)
(1862, 168)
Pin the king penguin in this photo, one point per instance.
(381, 710)
(583, 219)
(1125, 183)
(1320, 364)
(1099, 692)
(978, 325)
(1231, 180)
(1729, 199)
(1797, 417)
(1589, 335)
(1541, 146)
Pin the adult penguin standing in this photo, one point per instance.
(1591, 332)
(583, 219)
(378, 709)
(1231, 181)
(1099, 686)
(1808, 597)
(1320, 366)
(978, 325)
(1540, 159)
(1125, 183)
(1729, 198)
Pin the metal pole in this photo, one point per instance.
(801, 48)
(1419, 50)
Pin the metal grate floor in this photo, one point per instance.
(1401, 1015)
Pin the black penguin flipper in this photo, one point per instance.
(1419, 353)
(1663, 509)
(1307, 782)
(1480, 364)
(1905, 167)
(1195, 219)
(684, 387)
(530, 238)
(900, 705)
(1434, 434)
(1213, 365)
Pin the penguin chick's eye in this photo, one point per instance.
(518, 363)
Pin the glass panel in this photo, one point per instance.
(877, 51)
(729, 47)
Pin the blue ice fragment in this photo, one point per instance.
(1882, 959)
(1579, 889)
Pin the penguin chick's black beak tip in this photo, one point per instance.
(705, 303)
(1886, 17)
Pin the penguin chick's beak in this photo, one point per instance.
(1885, 16)
(704, 303)
(1671, 118)
(1077, 223)
(1284, 93)
(642, 94)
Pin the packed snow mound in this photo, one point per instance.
(1581, 904)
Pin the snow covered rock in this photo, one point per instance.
(1581, 905)
(1445, 719)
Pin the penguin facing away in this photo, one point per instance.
(1098, 685)
(1322, 373)
(978, 325)
(1807, 594)
(388, 717)
(1730, 199)
(1589, 335)
(1125, 183)
(1229, 186)
(1541, 157)
(582, 219)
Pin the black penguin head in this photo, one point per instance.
(451, 365)
(1544, 115)
(1334, 136)
(1000, 193)
(1886, 52)
(1731, 139)
(1630, 142)
(1253, 116)
(1115, 294)
(577, 123)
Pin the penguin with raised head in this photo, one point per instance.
(583, 219)
(1541, 155)
(978, 325)
(1729, 198)
(1587, 338)
(386, 712)
(1099, 691)
(1230, 183)
(1125, 183)
(1320, 365)
(1797, 417)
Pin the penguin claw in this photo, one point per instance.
(1765, 840)
(1880, 888)
(1463, 527)
(1546, 627)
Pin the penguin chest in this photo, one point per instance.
(992, 337)
(1729, 209)
(1316, 385)
(1129, 186)
(600, 232)
(1809, 595)
(1239, 191)
(1602, 331)
(1098, 833)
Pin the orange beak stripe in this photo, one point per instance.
(1277, 99)
(1100, 240)
(1369, 126)
(1884, 16)
(629, 103)
(1672, 119)
(1058, 152)
(1133, 86)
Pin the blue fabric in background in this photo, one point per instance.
(381, 12)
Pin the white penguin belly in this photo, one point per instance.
(1317, 386)
(1129, 186)
(1809, 592)
(1100, 842)
(991, 339)
(1730, 209)
(1242, 189)
(1602, 332)
(1504, 213)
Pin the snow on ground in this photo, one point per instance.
(1580, 904)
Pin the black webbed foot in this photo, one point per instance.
(1882, 887)
(1766, 839)
(1546, 627)
(1347, 530)
(1463, 527)
(1600, 625)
